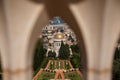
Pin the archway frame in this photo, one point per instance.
(101, 13)
(43, 20)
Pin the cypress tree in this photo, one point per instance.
(39, 55)
(51, 54)
(116, 54)
(64, 52)
(119, 52)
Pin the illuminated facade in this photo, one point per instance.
(55, 32)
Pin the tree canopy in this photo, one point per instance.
(64, 51)
(51, 54)
(39, 55)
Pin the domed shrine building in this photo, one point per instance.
(54, 33)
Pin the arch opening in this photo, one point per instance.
(61, 8)
(57, 49)
(65, 13)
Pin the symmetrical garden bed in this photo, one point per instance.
(69, 72)
(46, 76)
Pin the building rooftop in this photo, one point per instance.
(56, 21)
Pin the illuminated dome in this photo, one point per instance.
(59, 36)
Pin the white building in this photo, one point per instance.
(55, 32)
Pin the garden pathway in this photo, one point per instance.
(41, 70)
(38, 74)
(59, 73)
(78, 71)
(48, 64)
(70, 64)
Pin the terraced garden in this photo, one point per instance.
(53, 67)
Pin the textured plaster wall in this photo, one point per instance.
(97, 21)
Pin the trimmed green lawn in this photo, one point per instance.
(63, 64)
(72, 76)
(46, 76)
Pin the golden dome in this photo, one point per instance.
(59, 36)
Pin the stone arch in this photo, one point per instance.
(0, 67)
(115, 45)
(112, 33)
(3, 41)
(65, 13)
(114, 59)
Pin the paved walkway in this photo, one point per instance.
(78, 71)
(38, 74)
(40, 71)
(71, 66)
(59, 73)
(48, 64)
